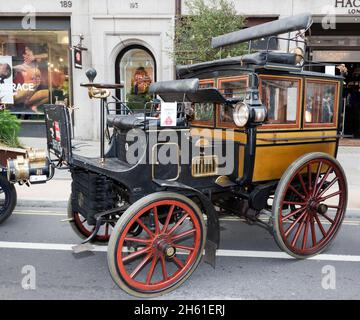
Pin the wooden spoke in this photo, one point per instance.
(327, 218)
(309, 177)
(139, 240)
(306, 230)
(297, 192)
(329, 196)
(178, 246)
(328, 187)
(317, 177)
(178, 223)
(163, 268)
(328, 171)
(291, 214)
(145, 228)
(152, 268)
(320, 225)
(313, 232)
(302, 183)
(156, 220)
(287, 232)
(294, 203)
(177, 262)
(182, 234)
(135, 254)
(298, 231)
(140, 266)
(168, 218)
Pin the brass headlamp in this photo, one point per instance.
(33, 167)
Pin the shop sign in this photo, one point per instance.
(352, 6)
(77, 58)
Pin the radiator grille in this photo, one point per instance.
(203, 166)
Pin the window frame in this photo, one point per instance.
(279, 126)
(334, 124)
(206, 123)
(220, 124)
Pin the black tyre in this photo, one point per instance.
(7, 199)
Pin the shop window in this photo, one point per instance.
(136, 69)
(231, 88)
(321, 100)
(281, 97)
(38, 61)
(204, 112)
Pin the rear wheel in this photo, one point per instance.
(309, 205)
(7, 199)
(84, 230)
(165, 253)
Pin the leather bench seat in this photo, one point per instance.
(128, 122)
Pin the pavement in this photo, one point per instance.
(56, 192)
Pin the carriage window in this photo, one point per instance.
(231, 88)
(204, 112)
(320, 102)
(281, 99)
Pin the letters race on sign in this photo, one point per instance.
(168, 114)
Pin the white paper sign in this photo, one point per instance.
(168, 114)
(330, 70)
(6, 80)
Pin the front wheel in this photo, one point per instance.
(165, 253)
(7, 199)
(309, 205)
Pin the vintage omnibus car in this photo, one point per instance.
(255, 136)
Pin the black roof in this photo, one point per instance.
(278, 61)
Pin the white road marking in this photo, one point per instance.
(39, 213)
(220, 252)
(229, 218)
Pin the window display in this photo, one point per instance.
(137, 71)
(40, 68)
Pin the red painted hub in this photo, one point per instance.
(160, 255)
(312, 207)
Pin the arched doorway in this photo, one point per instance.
(135, 66)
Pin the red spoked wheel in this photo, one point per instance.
(165, 253)
(309, 205)
(84, 230)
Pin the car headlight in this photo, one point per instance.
(260, 114)
(241, 114)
